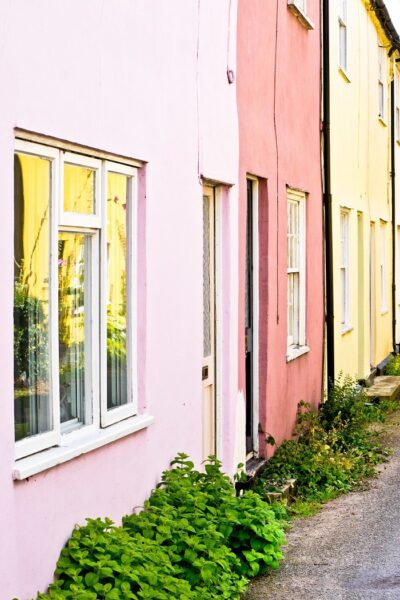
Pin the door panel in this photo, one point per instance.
(249, 319)
(208, 367)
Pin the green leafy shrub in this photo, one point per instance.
(194, 539)
(333, 449)
(393, 366)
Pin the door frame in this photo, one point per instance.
(255, 309)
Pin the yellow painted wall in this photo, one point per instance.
(360, 162)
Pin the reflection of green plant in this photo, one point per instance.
(116, 337)
(30, 336)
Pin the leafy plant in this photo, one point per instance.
(393, 366)
(194, 539)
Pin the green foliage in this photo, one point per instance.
(393, 366)
(334, 449)
(194, 539)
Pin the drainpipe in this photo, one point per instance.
(393, 184)
(330, 342)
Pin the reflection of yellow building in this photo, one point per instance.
(360, 74)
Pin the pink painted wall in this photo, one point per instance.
(287, 155)
(145, 79)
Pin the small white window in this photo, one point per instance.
(382, 82)
(343, 58)
(344, 269)
(74, 295)
(296, 272)
(383, 269)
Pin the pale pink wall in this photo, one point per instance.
(129, 77)
(291, 158)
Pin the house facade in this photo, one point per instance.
(280, 221)
(362, 63)
(119, 170)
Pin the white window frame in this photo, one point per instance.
(344, 234)
(299, 9)
(383, 268)
(296, 343)
(342, 29)
(69, 442)
(382, 78)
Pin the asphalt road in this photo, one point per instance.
(350, 550)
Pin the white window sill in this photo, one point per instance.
(294, 352)
(344, 74)
(31, 465)
(300, 15)
(346, 328)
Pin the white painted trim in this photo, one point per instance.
(54, 143)
(294, 352)
(81, 219)
(256, 315)
(76, 445)
(111, 416)
(300, 13)
(218, 233)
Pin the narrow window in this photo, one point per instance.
(381, 81)
(343, 59)
(344, 269)
(296, 263)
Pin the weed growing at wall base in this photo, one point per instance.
(194, 539)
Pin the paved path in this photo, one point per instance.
(350, 549)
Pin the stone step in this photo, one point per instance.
(386, 387)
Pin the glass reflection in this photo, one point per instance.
(71, 303)
(79, 189)
(117, 202)
(31, 295)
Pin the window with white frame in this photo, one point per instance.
(383, 268)
(344, 267)
(74, 294)
(342, 16)
(397, 103)
(299, 9)
(381, 82)
(296, 270)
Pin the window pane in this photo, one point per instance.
(117, 203)
(79, 185)
(71, 297)
(31, 296)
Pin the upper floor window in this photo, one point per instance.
(382, 82)
(74, 294)
(296, 271)
(342, 15)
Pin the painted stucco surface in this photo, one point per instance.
(361, 186)
(279, 117)
(142, 80)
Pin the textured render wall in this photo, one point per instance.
(360, 182)
(287, 155)
(122, 77)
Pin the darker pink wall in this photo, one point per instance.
(280, 142)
